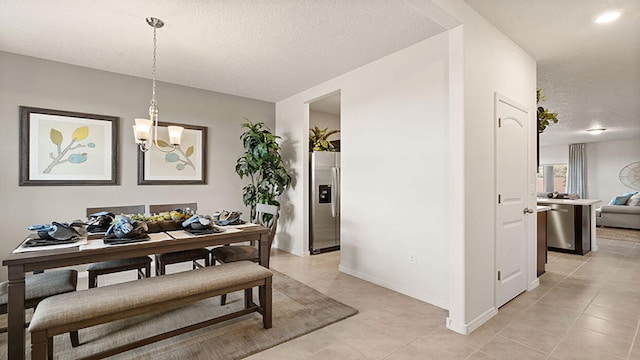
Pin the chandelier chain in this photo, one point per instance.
(153, 69)
(146, 130)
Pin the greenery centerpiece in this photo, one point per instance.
(164, 221)
(545, 117)
(319, 139)
(262, 163)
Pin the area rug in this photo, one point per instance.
(297, 310)
(618, 234)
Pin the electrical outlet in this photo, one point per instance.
(412, 257)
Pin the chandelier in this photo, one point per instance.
(146, 130)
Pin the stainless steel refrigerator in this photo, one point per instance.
(324, 221)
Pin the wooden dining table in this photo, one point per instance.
(19, 264)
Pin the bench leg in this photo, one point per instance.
(39, 345)
(265, 303)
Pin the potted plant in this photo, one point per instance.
(262, 163)
(319, 139)
(545, 117)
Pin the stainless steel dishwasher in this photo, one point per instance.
(568, 228)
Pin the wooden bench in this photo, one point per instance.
(81, 309)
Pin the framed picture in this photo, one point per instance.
(67, 148)
(185, 165)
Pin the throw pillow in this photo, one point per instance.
(620, 200)
(634, 200)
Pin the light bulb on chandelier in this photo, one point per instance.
(146, 130)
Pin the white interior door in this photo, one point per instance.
(511, 186)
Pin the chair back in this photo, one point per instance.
(154, 209)
(271, 223)
(117, 210)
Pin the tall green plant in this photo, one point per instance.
(262, 164)
(545, 117)
(319, 139)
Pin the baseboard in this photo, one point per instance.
(289, 250)
(534, 284)
(466, 329)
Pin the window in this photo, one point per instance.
(552, 178)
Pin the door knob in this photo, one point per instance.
(528, 211)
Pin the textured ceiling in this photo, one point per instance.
(272, 49)
(266, 50)
(589, 73)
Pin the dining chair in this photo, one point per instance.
(142, 264)
(193, 255)
(40, 286)
(267, 216)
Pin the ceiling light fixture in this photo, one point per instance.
(146, 130)
(596, 131)
(607, 17)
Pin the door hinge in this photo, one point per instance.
(499, 198)
(499, 122)
(498, 275)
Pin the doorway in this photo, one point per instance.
(324, 174)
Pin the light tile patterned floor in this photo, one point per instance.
(586, 307)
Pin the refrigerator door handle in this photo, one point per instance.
(339, 191)
(335, 192)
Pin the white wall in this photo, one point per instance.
(39, 83)
(325, 120)
(432, 106)
(394, 169)
(492, 63)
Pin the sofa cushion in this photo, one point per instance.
(634, 200)
(620, 199)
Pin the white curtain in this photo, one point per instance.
(577, 170)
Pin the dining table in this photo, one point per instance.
(20, 263)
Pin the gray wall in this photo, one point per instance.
(325, 120)
(39, 83)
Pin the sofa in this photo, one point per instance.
(620, 213)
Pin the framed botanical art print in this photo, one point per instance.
(67, 148)
(185, 165)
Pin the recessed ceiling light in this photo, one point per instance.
(607, 17)
(596, 131)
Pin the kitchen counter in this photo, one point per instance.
(582, 202)
(586, 206)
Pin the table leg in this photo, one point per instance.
(264, 250)
(15, 313)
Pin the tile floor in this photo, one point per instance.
(586, 307)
